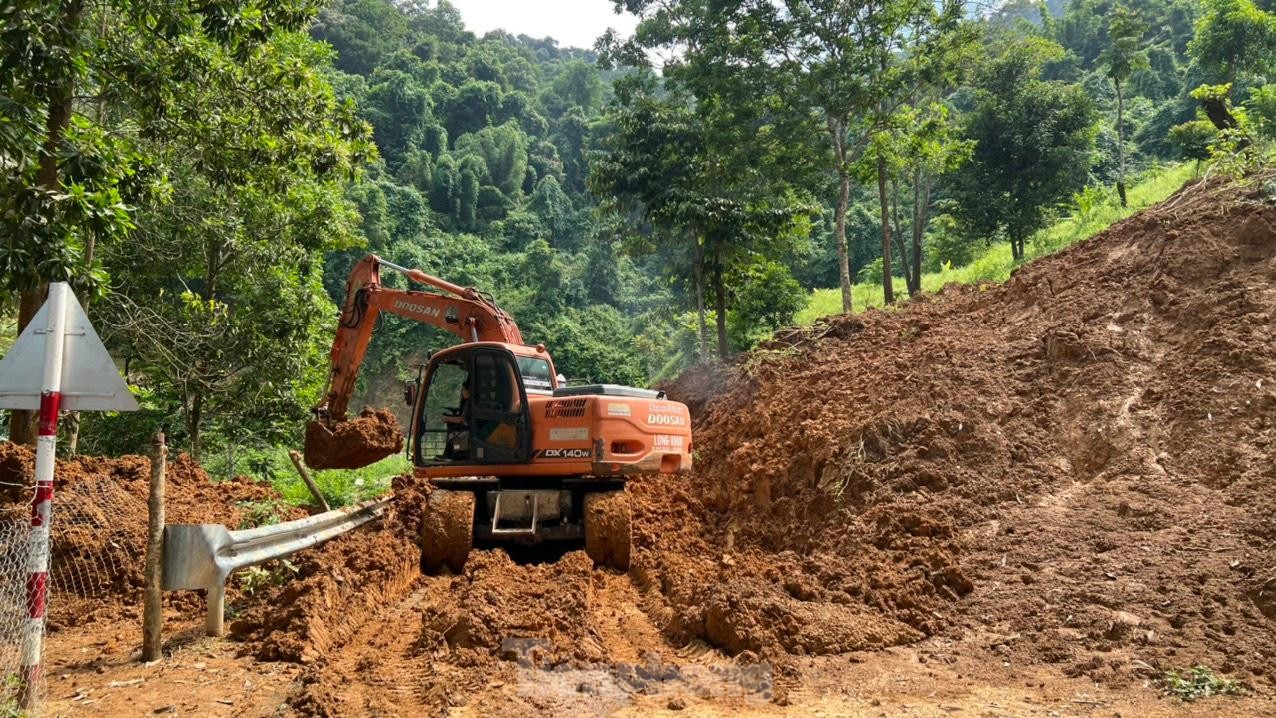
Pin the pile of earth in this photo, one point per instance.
(1089, 447)
(100, 521)
(353, 444)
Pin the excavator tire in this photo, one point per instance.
(447, 531)
(607, 528)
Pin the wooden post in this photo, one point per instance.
(310, 483)
(153, 611)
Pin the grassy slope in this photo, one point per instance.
(995, 264)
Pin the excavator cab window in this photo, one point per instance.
(499, 416)
(536, 375)
(474, 411)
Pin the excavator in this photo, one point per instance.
(511, 454)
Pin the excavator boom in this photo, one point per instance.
(464, 311)
(333, 442)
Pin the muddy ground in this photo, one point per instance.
(1027, 499)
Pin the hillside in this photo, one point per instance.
(1089, 446)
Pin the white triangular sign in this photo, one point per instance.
(90, 380)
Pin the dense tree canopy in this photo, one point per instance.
(208, 173)
(1033, 140)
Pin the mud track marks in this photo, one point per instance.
(503, 636)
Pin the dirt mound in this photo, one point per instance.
(874, 582)
(336, 589)
(100, 521)
(1088, 447)
(353, 444)
(535, 613)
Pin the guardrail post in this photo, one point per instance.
(153, 610)
(214, 623)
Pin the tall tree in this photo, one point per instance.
(1123, 57)
(1034, 140)
(136, 100)
(923, 144)
(677, 165)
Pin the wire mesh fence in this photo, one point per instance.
(15, 532)
(98, 540)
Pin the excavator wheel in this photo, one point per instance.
(447, 531)
(607, 532)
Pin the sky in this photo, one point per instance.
(573, 23)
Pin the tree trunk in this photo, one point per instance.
(73, 433)
(1120, 143)
(698, 256)
(22, 424)
(195, 417)
(901, 250)
(843, 202)
(900, 255)
(720, 304)
(887, 291)
(921, 213)
(1016, 247)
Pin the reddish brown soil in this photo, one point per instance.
(1089, 445)
(337, 588)
(353, 444)
(100, 520)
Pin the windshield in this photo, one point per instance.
(536, 376)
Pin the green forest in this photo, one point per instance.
(206, 174)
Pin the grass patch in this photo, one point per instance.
(995, 264)
(1199, 682)
(341, 487)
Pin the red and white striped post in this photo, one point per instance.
(42, 507)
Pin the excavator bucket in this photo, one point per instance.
(353, 444)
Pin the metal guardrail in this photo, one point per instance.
(202, 556)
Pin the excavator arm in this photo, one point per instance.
(333, 442)
(464, 311)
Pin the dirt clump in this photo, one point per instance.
(336, 588)
(529, 613)
(353, 444)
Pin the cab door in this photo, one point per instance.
(499, 419)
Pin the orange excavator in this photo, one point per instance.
(511, 454)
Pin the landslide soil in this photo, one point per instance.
(353, 444)
(1025, 499)
(1090, 445)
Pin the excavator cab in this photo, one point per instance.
(473, 409)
